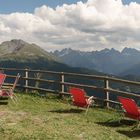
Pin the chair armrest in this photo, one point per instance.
(90, 100)
(72, 98)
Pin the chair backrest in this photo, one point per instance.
(78, 95)
(2, 78)
(16, 80)
(129, 106)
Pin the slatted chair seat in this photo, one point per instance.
(130, 108)
(79, 99)
(8, 91)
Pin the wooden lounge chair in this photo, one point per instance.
(9, 91)
(79, 99)
(130, 108)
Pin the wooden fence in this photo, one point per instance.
(63, 81)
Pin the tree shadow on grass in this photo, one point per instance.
(117, 123)
(67, 111)
(130, 133)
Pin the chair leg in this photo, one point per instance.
(121, 116)
(90, 101)
(87, 109)
(13, 97)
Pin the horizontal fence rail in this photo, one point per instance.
(59, 82)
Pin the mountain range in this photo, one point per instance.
(110, 61)
(20, 54)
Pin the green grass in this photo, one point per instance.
(35, 118)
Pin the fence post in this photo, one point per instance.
(62, 81)
(106, 86)
(26, 81)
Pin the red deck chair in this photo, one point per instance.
(9, 92)
(79, 99)
(2, 78)
(130, 108)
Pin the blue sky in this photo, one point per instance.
(86, 25)
(9, 6)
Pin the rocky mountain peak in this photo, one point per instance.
(18, 42)
(17, 48)
(129, 51)
(12, 46)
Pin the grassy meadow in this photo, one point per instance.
(49, 118)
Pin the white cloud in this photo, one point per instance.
(93, 25)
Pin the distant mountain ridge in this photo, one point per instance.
(20, 54)
(109, 61)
